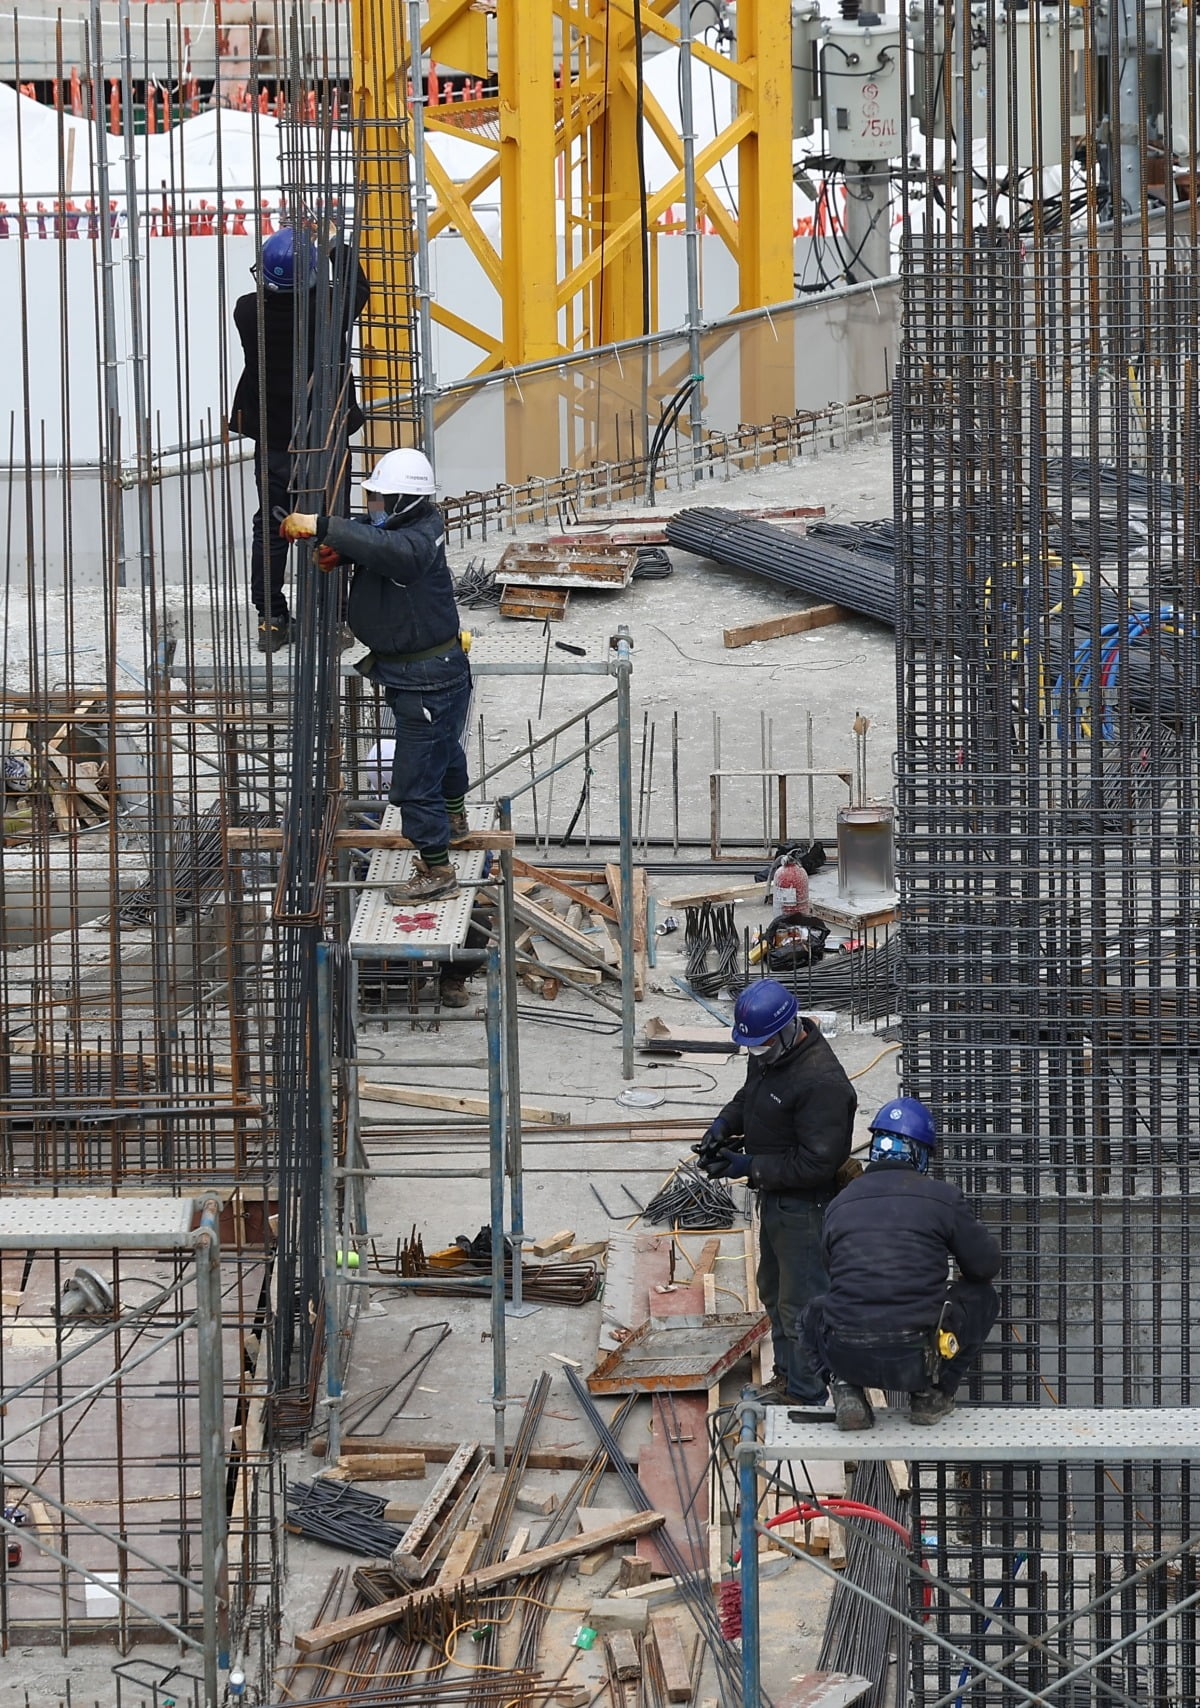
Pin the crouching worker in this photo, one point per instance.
(890, 1318)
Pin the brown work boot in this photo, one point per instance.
(453, 991)
(428, 883)
(458, 826)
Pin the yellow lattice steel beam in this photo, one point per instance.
(572, 266)
(385, 223)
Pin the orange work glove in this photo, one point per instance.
(297, 526)
(327, 558)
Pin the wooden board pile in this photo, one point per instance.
(570, 926)
(61, 761)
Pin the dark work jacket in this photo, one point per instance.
(276, 420)
(401, 597)
(887, 1242)
(797, 1115)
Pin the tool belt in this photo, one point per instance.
(923, 1341)
(451, 645)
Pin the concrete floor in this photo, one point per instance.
(681, 666)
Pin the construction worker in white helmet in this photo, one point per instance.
(401, 606)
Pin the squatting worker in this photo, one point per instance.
(794, 1117)
(401, 606)
(270, 321)
(890, 1319)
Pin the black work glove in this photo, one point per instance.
(712, 1143)
(729, 1165)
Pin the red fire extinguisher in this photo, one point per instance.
(789, 895)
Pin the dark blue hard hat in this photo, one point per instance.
(908, 1118)
(763, 1008)
(278, 265)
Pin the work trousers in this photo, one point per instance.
(274, 476)
(790, 1276)
(268, 553)
(430, 701)
(901, 1363)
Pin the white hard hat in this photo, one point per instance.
(402, 472)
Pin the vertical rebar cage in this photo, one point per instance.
(1045, 479)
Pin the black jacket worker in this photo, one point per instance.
(401, 606)
(270, 322)
(794, 1116)
(889, 1239)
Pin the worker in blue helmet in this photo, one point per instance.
(281, 324)
(787, 1132)
(891, 1319)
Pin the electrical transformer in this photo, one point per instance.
(861, 92)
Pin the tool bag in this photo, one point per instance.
(798, 941)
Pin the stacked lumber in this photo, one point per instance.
(570, 925)
(63, 762)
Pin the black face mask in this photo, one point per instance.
(779, 1045)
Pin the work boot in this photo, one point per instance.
(458, 826)
(851, 1407)
(773, 1392)
(453, 991)
(273, 632)
(930, 1405)
(428, 883)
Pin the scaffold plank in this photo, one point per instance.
(380, 924)
(994, 1434)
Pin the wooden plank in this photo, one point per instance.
(558, 932)
(418, 1097)
(545, 875)
(565, 1458)
(790, 623)
(676, 1673)
(684, 1416)
(623, 1656)
(267, 840)
(526, 1565)
(405, 1556)
(518, 1544)
(382, 1467)
(556, 1242)
(612, 875)
(459, 1555)
(555, 960)
(589, 1248)
(716, 896)
(483, 1513)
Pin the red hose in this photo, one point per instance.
(835, 1507)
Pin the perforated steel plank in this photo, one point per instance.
(1012, 1434)
(29, 1223)
(375, 924)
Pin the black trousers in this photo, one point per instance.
(901, 1363)
(268, 553)
(273, 481)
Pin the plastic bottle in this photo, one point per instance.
(789, 895)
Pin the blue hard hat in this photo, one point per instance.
(763, 1008)
(278, 265)
(908, 1118)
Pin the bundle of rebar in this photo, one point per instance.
(824, 571)
(198, 865)
(342, 1515)
(860, 1634)
(710, 931)
(691, 1200)
(862, 982)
